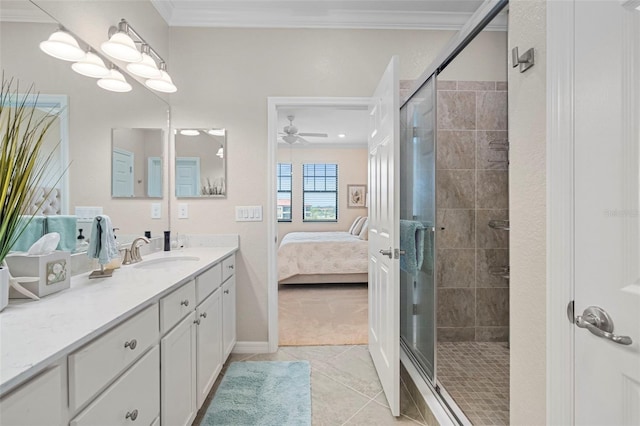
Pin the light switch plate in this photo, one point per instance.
(156, 211)
(183, 211)
(248, 213)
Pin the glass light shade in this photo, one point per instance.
(146, 68)
(121, 46)
(63, 46)
(216, 132)
(189, 132)
(162, 84)
(115, 82)
(91, 66)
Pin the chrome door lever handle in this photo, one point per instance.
(387, 253)
(598, 322)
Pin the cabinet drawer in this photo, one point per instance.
(133, 397)
(93, 366)
(208, 282)
(176, 306)
(39, 402)
(228, 267)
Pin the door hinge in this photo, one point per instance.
(571, 311)
(397, 253)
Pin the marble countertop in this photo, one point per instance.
(35, 334)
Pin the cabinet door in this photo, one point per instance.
(209, 344)
(229, 315)
(178, 374)
(39, 402)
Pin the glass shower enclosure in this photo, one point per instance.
(418, 211)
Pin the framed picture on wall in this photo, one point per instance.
(356, 196)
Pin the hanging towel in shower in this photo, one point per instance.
(102, 245)
(65, 225)
(412, 242)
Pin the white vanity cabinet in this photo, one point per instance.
(39, 402)
(229, 315)
(209, 344)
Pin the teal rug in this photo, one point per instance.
(262, 393)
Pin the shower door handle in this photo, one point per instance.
(387, 253)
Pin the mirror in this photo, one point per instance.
(136, 163)
(92, 115)
(200, 164)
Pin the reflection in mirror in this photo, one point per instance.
(200, 163)
(92, 114)
(136, 163)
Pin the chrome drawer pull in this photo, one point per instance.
(185, 302)
(197, 322)
(133, 415)
(131, 344)
(203, 315)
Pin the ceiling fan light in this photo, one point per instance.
(162, 84)
(115, 82)
(62, 45)
(91, 66)
(146, 68)
(289, 139)
(121, 46)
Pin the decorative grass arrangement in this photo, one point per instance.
(23, 165)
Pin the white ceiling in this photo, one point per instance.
(390, 14)
(330, 120)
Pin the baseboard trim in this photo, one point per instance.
(251, 348)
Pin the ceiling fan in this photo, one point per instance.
(291, 135)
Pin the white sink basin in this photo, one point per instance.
(164, 262)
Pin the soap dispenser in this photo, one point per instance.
(81, 243)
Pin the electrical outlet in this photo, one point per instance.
(183, 211)
(156, 211)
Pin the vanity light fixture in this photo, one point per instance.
(115, 82)
(189, 132)
(120, 45)
(62, 45)
(164, 83)
(216, 132)
(147, 68)
(91, 66)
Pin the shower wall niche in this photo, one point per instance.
(472, 194)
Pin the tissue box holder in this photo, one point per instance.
(53, 271)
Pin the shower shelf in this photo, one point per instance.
(499, 271)
(499, 224)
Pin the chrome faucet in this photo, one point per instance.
(135, 249)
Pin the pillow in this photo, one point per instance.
(353, 225)
(364, 232)
(359, 224)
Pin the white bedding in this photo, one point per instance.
(321, 253)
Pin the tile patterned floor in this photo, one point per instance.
(476, 375)
(344, 386)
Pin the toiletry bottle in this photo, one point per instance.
(81, 243)
(167, 240)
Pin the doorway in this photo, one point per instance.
(320, 154)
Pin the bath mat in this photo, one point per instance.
(262, 393)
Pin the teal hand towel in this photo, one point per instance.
(65, 225)
(32, 233)
(412, 242)
(102, 243)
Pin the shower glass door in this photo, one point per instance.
(417, 209)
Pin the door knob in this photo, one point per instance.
(387, 253)
(599, 322)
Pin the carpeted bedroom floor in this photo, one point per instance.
(322, 314)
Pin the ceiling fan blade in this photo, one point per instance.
(302, 140)
(316, 135)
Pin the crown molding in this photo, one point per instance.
(26, 15)
(177, 16)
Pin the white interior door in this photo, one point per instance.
(384, 240)
(122, 173)
(187, 176)
(154, 177)
(607, 206)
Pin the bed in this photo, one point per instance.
(322, 257)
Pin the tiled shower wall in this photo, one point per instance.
(472, 188)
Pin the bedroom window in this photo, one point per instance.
(320, 192)
(284, 192)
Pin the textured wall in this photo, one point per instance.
(471, 190)
(527, 196)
